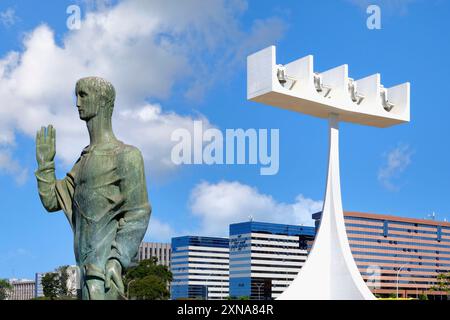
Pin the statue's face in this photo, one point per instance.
(87, 103)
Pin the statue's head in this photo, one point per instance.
(94, 96)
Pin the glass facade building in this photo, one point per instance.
(38, 289)
(393, 252)
(200, 268)
(266, 257)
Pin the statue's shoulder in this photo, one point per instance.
(128, 149)
(129, 153)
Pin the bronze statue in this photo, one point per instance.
(104, 196)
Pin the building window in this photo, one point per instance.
(385, 228)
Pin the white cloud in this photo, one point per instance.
(150, 129)
(160, 44)
(8, 17)
(159, 231)
(10, 166)
(396, 162)
(218, 205)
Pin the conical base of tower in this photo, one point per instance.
(330, 272)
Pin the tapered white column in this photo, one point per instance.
(330, 272)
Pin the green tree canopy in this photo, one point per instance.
(55, 284)
(442, 283)
(423, 296)
(149, 288)
(5, 286)
(51, 285)
(148, 281)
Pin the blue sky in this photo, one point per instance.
(175, 63)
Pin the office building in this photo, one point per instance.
(39, 290)
(393, 252)
(160, 251)
(266, 257)
(200, 268)
(22, 289)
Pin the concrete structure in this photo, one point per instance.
(73, 281)
(23, 289)
(160, 251)
(200, 268)
(393, 252)
(297, 87)
(330, 271)
(266, 257)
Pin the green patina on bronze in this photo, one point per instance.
(104, 196)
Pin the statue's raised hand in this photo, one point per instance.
(45, 145)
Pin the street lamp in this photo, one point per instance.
(128, 288)
(259, 285)
(398, 273)
(417, 289)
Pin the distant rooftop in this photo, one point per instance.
(13, 280)
(376, 216)
(270, 228)
(200, 241)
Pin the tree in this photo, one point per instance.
(55, 284)
(442, 283)
(5, 287)
(148, 281)
(51, 285)
(149, 288)
(423, 296)
(237, 298)
(63, 279)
